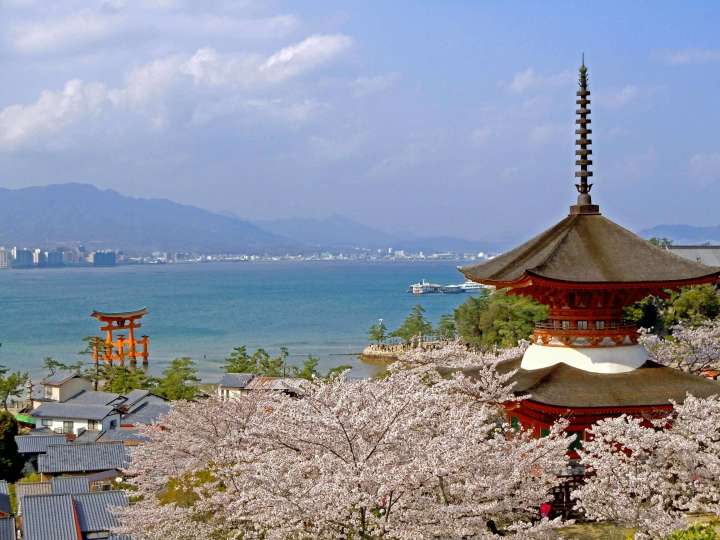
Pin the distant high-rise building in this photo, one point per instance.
(39, 257)
(22, 258)
(104, 258)
(4, 258)
(54, 258)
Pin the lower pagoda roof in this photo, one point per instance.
(561, 385)
(589, 248)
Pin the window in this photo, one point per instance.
(48, 392)
(46, 422)
(566, 325)
(113, 423)
(68, 426)
(92, 425)
(600, 325)
(582, 325)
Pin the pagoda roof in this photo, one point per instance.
(561, 385)
(589, 248)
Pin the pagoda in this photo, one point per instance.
(584, 362)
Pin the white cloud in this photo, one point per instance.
(546, 133)
(528, 79)
(692, 56)
(705, 168)
(50, 113)
(80, 28)
(620, 98)
(366, 86)
(300, 57)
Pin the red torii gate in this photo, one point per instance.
(117, 350)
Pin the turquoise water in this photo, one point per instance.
(204, 310)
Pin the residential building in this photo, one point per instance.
(707, 255)
(103, 258)
(233, 384)
(54, 258)
(64, 459)
(22, 258)
(5, 258)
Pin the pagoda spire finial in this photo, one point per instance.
(583, 151)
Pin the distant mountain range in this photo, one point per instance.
(71, 214)
(685, 234)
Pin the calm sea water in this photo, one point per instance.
(204, 310)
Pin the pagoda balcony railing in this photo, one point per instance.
(591, 334)
(591, 325)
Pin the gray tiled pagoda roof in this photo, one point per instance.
(7, 528)
(588, 248)
(70, 484)
(37, 444)
(68, 458)
(236, 380)
(77, 411)
(562, 385)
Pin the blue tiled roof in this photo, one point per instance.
(49, 517)
(37, 444)
(93, 397)
(94, 510)
(70, 484)
(72, 411)
(67, 458)
(59, 377)
(7, 528)
(236, 380)
(4, 497)
(146, 413)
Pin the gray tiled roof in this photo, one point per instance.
(146, 413)
(7, 528)
(236, 380)
(23, 489)
(49, 517)
(122, 434)
(72, 411)
(93, 397)
(87, 436)
(134, 396)
(94, 510)
(59, 377)
(4, 497)
(67, 458)
(37, 444)
(70, 484)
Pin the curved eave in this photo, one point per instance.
(119, 315)
(530, 278)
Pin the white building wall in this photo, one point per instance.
(57, 424)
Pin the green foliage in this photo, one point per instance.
(52, 366)
(308, 370)
(498, 319)
(259, 363)
(690, 306)
(12, 385)
(414, 326)
(10, 461)
(696, 532)
(446, 329)
(183, 491)
(660, 242)
(121, 379)
(378, 332)
(179, 380)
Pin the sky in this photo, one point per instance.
(421, 117)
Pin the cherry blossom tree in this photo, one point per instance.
(649, 473)
(410, 456)
(690, 348)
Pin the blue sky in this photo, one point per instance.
(430, 117)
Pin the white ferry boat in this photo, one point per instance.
(424, 287)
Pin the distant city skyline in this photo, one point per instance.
(446, 118)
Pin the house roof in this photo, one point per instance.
(73, 411)
(94, 509)
(146, 413)
(87, 457)
(59, 377)
(275, 383)
(23, 489)
(132, 397)
(94, 397)
(236, 380)
(70, 484)
(37, 444)
(68, 517)
(48, 517)
(7, 528)
(561, 385)
(589, 248)
(709, 255)
(123, 434)
(5, 497)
